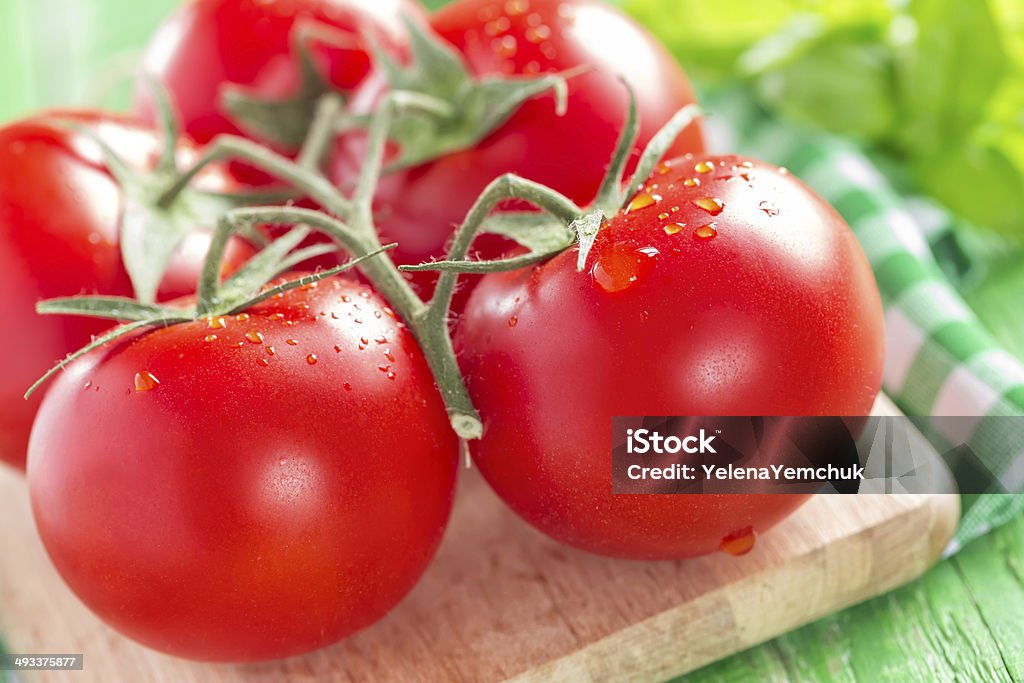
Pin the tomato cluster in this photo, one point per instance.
(255, 465)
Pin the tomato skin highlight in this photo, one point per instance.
(777, 313)
(207, 45)
(419, 207)
(59, 218)
(212, 492)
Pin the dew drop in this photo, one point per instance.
(254, 337)
(642, 201)
(391, 375)
(704, 167)
(691, 182)
(706, 232)
(389, 355)
(769, 208)
(384, 368)
(620, 266)
(506, 47)
(739, 542)
(262, 362)
(217, 323)
(145, 381)
(311, 359)
(271, 350)
(291, 342)
(537, 35)
(514, 8)
(347, 386)
(712, 205)
(242, 317)
(674, 228)
(513, 321)
(744, 164)
(663, 216)
(210, 338)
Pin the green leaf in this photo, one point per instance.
(108, 307)
(709, 37)
(979, 181)
(841, 80)
(537, 231)
(948, 73)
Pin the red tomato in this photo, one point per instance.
(249, 487)
(209, 44)
(59, 218)
(726, 288)
(418, 207)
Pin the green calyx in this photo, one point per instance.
(465, 108)
(560, 224)
(285, 122)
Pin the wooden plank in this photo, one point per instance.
(502, 601)
(963, 620)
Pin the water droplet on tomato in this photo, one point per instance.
(210, 338)
(291, 342)
(739, 542)
(514, 8)
(391, 375)
(663, 216)
(389, 355)
(769, 208)
(538, 34)
(145, 381)
(217, 323)
(642, 201)
(691, 182)
(271, 350)
(506, 47)
(384, 368)
(513, 321)
(262, 362)
(674, 228)
(620, 266)
(311, 359)
(706, 232)
(712, 205)
(497, 27)
(242, 317)
(337, 348)
(87, 385)
(704, 166)
(346, 386)
(254, 337)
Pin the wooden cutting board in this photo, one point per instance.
(502, 601)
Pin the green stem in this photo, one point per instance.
(505, 187)
(434, 340)
(321, 131)
(231, 147)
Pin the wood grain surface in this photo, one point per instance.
(501, 601)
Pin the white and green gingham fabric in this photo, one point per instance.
(940, 360)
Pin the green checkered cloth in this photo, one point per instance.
(940, 360)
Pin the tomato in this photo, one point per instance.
(419, 206)
(247, 487)
(208, 45)
(59, 222)
(726, 287)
